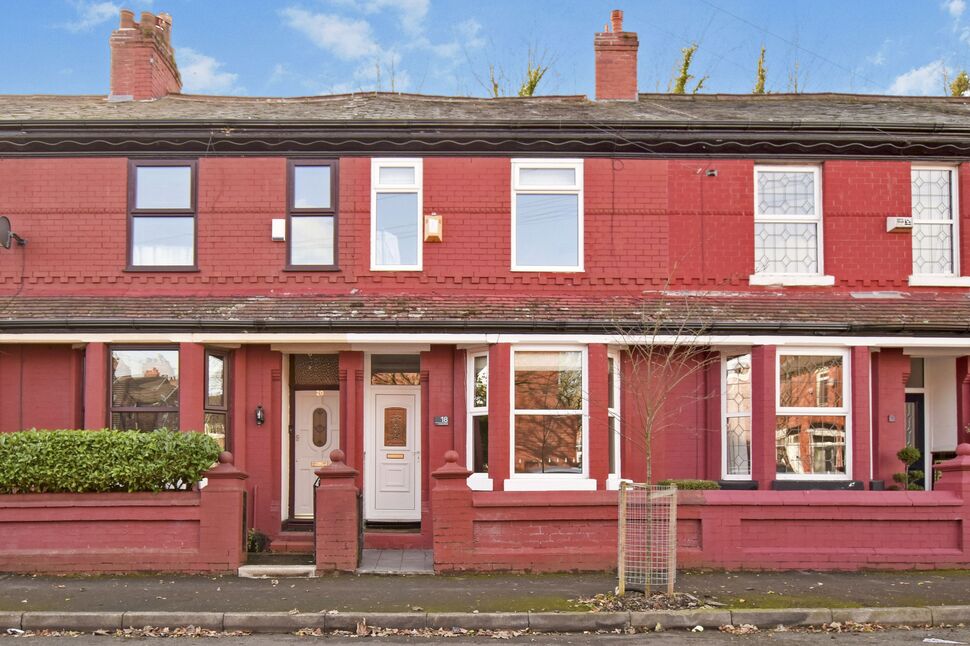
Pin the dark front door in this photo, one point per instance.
(916, 433)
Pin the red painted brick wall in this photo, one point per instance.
(759, 530)
(648, 224)
(191, 531)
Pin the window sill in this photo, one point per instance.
(550, 483)
(480, 482)
(791, 280)
(550, 270)
(939, 281)
(407, 268)
(297, 268)
(613, 482)
(162, 270)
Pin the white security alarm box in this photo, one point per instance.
(899, 224)
(279, 229)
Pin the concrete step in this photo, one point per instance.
(276, 571)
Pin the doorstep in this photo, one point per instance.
(276, 571)
(396, 562)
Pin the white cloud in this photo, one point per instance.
(954, 7)
(91, 14)
(412, 12)
(879, 58)
(345, 38)
(925, 80)
(203, 74)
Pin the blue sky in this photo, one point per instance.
(305, 47)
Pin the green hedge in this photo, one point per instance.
(691, 484)
(99, 461)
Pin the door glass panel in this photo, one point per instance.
(395, 426)
(319, 428)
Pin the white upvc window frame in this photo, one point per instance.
(417, 187)
(614, 477)
(844, 410)
(952, 279)
(476, 481)
(725, 415)
(544, 481)
(577, 190)
(819, 278)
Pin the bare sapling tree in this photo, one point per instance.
(669, 357)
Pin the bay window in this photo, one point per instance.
(812, 432)
(396, 208)
(217, 422)
(736, 423)
(162, 215)
(144, 388)
(547, 215)
(549, 415)
(477, 421)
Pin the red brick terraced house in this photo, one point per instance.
(399, 276)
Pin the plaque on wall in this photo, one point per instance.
(395, 426)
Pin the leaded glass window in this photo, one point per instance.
(737, 416)
(933, 221)
(788, 220)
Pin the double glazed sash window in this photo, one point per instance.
(312, 215)
(145, 388)
(396, 207)
(547, 215)
(788, 221)
(934, 221)
(549, 412)
(812, 419)
(161, 215)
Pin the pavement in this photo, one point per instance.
(538, 603)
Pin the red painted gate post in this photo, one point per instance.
(337, 517)
(222, 534)
(955, 477)
(451, 500)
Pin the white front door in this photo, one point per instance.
(316, 432)
(393, 474)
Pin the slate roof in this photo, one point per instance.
(832, 110)
(887, 313)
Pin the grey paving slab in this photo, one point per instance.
(10, 619)
(571, 622)
(403, 620)
(785, 617)
(907, 616)
(950, 615)
(479, 621)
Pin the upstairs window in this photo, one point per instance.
(162, 215)
(934, 222)
(312, 215)
(787, 222)
(396, 207)
(547, 215)
(812, 422)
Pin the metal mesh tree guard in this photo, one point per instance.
(647, 555)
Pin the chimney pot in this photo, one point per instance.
(616, 18)
(147, 20)
(127, 19)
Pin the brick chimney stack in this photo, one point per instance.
(142, 59)
(616, 61)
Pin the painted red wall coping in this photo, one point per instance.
(337, 517)
(185, 531)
